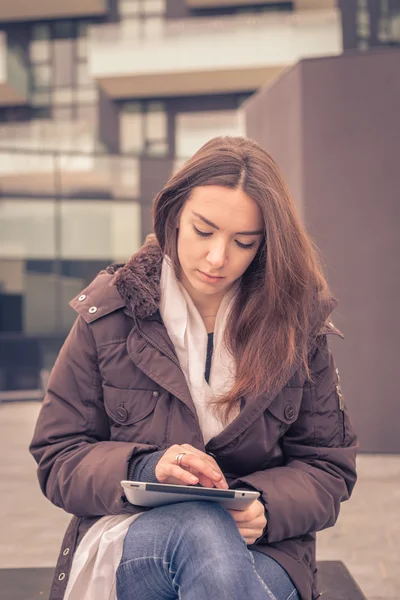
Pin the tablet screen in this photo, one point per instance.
(196, 491)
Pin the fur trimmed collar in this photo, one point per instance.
(138, 281)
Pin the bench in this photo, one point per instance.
(336, 583)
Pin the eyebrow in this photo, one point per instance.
(211, 224)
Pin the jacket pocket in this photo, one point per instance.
(131, 414)
(286, 406)
(126, 407)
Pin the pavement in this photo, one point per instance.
(366, 536)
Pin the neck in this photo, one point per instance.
(206, 305)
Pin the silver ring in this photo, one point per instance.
(178, 458)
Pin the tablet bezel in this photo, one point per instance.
(231, 497)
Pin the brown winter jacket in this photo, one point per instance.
(116, 393)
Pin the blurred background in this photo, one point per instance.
(102, 100)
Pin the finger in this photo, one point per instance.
(206, 458)
(241, 516)
(253, 511)
(259, 521)
(183, 474)
(205, 481)
(198, 464)
(250, 534)
(175, 471)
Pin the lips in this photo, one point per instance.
(211, 276)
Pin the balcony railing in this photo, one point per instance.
(188, 55)
(48, 135)
(25, 10)
(298, 4)
(223, 3)
(67, 151)
(13, 75)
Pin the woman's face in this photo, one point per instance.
(220, 231)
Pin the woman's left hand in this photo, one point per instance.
(250, 522)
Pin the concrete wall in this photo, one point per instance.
(333, 125)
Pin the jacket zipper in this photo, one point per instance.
(157, 347)
(171, 357)
(341, 406)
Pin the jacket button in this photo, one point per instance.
(156, 394)
(289, 412)
(61, 576)
(82, 298)
(122, 414)
(66, 551)
(93, 309)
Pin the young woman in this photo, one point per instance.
(201, 361)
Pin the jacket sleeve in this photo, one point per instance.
(304, 495)
(79, 468)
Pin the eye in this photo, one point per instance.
(201, 233)
(245, 246)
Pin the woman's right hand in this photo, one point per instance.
(196, 467)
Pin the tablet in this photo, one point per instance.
(158, 494)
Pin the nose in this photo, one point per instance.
(217, 255)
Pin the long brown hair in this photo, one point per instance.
(268, 328)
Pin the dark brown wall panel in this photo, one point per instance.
(348, 149)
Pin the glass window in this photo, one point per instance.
(40, 98)
(131, 128)
(82, 47)
(63, 29)
(62, 113)
(12, 276)
(87, 94)
(63, 63)
(40, 32)
(27, 172)
(42, 112)
(126, 230)
(154, 7)
(157, 149)
(395, 27)
(84, 78)
(100, 229)
(156, 123)
(124, 173)
(41, 76)
(39, 51)
(155, 106)
(88, 113)
(82, 28)
(194, 129)
(82, 32)
(129, 8)
(27, 228)
(63, 96)
(131, 132)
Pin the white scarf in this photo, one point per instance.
(98, 555)
(189, 336)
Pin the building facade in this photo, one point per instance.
(100, 100)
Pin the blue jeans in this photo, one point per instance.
(194, 551)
